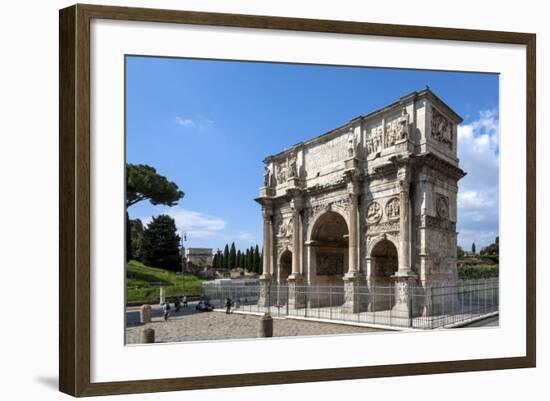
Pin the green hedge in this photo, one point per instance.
(478, 271)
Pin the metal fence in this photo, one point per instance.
(427, 307)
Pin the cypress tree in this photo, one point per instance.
(257, 260)
(247, 259)
(232, 256)
(225, 259)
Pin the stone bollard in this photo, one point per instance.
(162, 296)
(145, 314)
(147, 336)
(266, 326)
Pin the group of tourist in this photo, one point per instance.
(182, 301)
(178, 303)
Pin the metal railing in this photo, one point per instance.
(424, 307)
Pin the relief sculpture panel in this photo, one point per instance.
(442, 128)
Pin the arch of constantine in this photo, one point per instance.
(372, 202)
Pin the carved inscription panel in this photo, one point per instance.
(318, 157)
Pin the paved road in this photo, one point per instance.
(189, 325)
(132, 313)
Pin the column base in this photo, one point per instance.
(355, 301)
(403, 307)
(296, 291)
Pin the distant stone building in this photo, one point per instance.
(199, 257)
(371, 202)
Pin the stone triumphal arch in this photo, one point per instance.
(371, 202)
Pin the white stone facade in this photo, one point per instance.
(372, 201)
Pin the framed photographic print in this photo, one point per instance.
(250, 200)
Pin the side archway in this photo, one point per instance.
(382, 265)
(285, 266)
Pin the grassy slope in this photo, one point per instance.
(143, 282)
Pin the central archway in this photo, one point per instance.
(328, 246)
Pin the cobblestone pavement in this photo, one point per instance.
(220, 326)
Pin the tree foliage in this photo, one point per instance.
(491, 250)
(257, 260)
(135, 230)
(232, 256)
(143, 182)
(478, 272)
(473, 247)
(161, 244)
(225, 257)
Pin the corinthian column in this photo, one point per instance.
(296, 237)
(404, 265)
(268, 241)
(265, 296)
(353, 250)
(353, 301)
(296, 295)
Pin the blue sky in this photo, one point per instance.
(207, 125)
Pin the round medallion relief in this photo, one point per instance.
(374, 212)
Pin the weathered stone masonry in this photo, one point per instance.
(372, 202)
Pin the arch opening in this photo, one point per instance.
(328, 245)
(384, 266)
(285, 266)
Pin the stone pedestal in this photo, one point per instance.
(145, 314)
(296, 291)
(265, 328)
(403, 307)
(264, 299)
(147, 336)
(354, 301)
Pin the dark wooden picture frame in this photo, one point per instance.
(74, 204)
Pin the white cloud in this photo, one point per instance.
(474, 199)
(201, 123)
(195, 224)
(478, 196)
(185, 122)
(204, 230)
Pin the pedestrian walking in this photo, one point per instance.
(228, 305)
(165, 311)
(185, 301)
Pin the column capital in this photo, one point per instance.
(297, 203)
(354, 188)
(403, 177)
